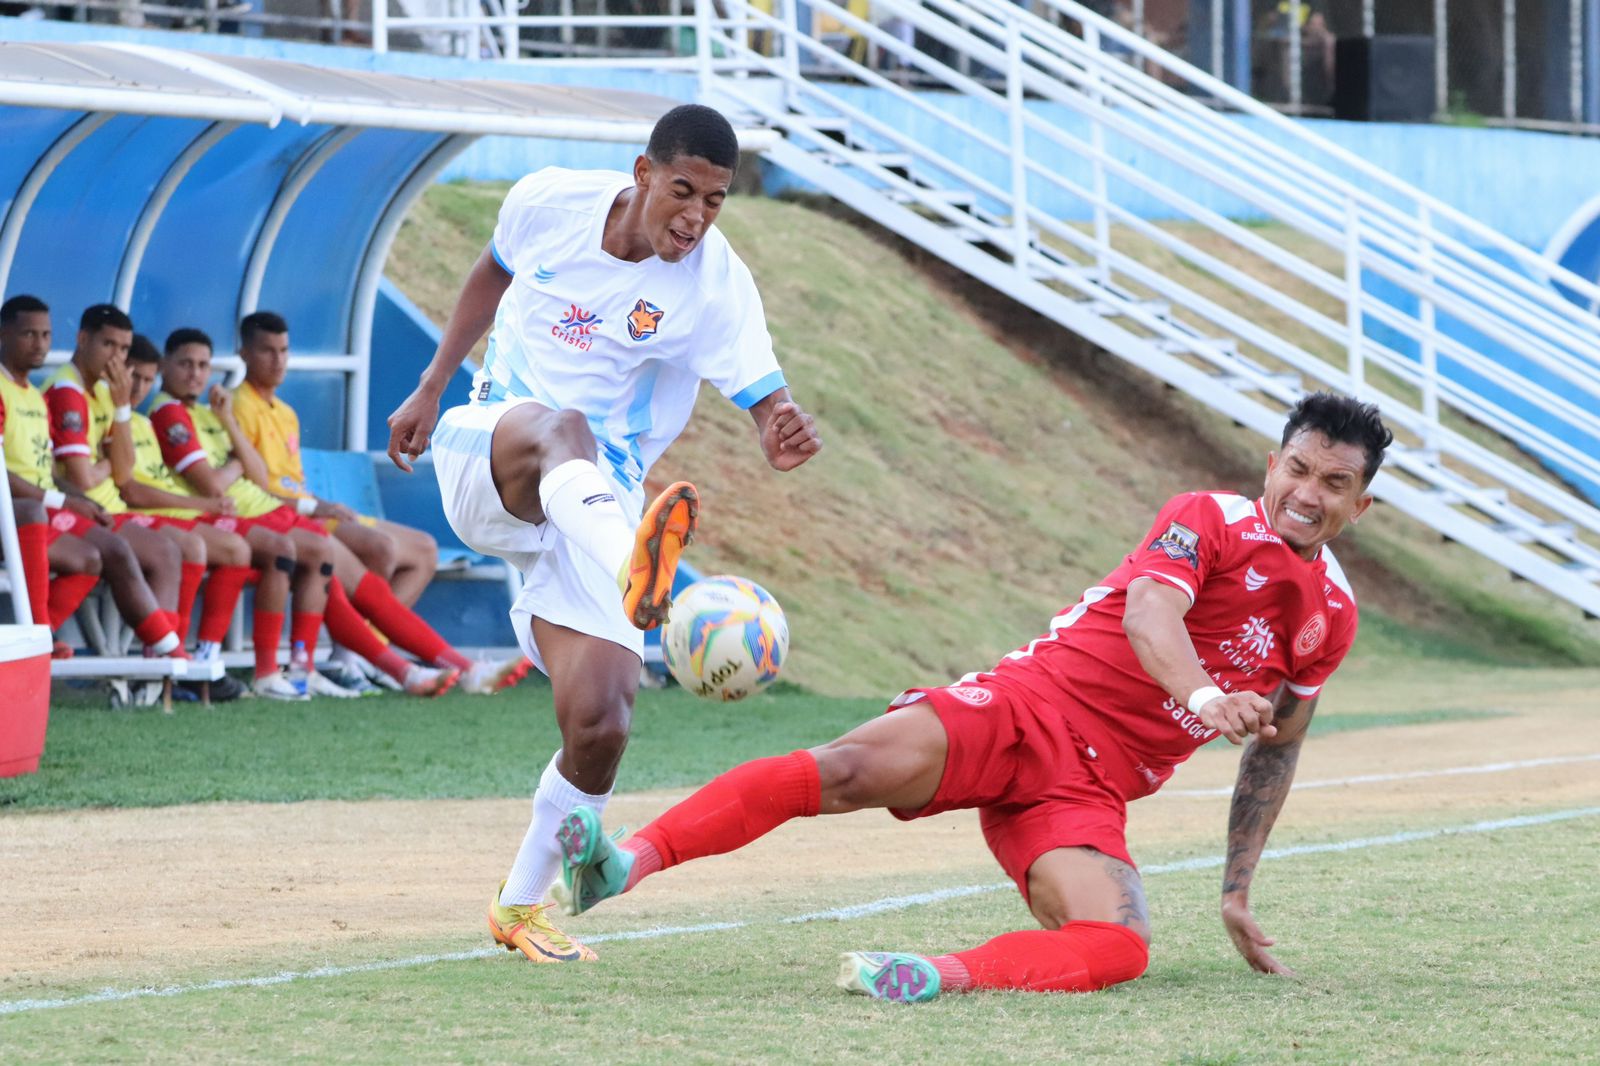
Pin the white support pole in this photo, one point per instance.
(702, 45)
(1097, 146)
(1441, 57)
(791, 50)
(380, 25)
(1019, 146)
(1430, 354)
(1369, 18)
(510, 32)
(1575, 60)
(1508, 87)
(1218, 67)
(1138, 17)
(1296, 59)
(567, 37)
(21, 608)
(1354, 341)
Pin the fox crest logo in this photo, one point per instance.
(644, 320)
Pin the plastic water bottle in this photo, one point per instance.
(299, 666)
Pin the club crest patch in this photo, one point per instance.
(178, 434)
(1311, 634)
(72, 421)
(644, 320)
(1180, 543)
(972, 694)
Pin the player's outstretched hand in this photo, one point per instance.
(1249, 939)
(411, 426)
(1238, 714)
(790, 437)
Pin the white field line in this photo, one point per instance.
(1408, 775)
(839, 914)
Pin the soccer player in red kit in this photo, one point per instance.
(1227, 618)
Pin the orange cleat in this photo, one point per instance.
(526, 927)
(667, 528)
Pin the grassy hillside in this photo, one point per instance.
(981, 468)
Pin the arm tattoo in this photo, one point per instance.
(1265, 773)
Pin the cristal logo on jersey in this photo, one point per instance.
(644, 320)
(1311, 634)
(1180, 543)
(577, 328)
(1248, 650)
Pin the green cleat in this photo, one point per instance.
(888, 975)
(593, 868)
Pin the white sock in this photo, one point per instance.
(581, 503)
(539, 858)
(207, 649)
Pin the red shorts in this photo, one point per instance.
(1034, 781)
(279, 520)
(65, 523)
(152, 521)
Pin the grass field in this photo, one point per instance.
(1432, 914)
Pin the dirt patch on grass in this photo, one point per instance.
(135, 896)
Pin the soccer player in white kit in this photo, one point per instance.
(611, 296)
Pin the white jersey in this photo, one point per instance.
(625, 343)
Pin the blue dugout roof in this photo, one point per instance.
(191, 190)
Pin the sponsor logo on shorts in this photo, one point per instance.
(972, 694)
(644, 320)
(483, 392)
(1254, 579)
(1180, 543)
(1311, 634)
(577, 328)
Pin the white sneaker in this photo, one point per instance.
(276, 686)
(487, 678)
(429, 680)
(317, 685)
(379, 678)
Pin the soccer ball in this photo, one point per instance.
(725, 638)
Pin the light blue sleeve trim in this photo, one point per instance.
(751, 395)
(503, 264)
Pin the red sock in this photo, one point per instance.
(34, 541)
(375, 599)
(304, 628)
(222, 595)
(349, 629)
(66, 592)
(266, 632)
(747, 802)
(155, 632)
(188, 589)
(1078, 957)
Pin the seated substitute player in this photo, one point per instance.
(150, 489)
(205, 445)
(81, 547)
(612, 297)
(87, 398)
(1228, 617)
(406, 558)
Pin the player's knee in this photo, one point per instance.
(378, 555)
(231, 552)
(1115, 953)
(191, 549)
(595, 735)
(117, 560)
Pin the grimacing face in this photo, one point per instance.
(186, 371)
(681, 201)
(1314, 489)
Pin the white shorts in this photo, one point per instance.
(560, 582)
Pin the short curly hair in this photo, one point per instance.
(1343, 420)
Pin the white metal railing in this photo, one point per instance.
(1382, 291)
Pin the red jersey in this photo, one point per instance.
(1261, 616)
